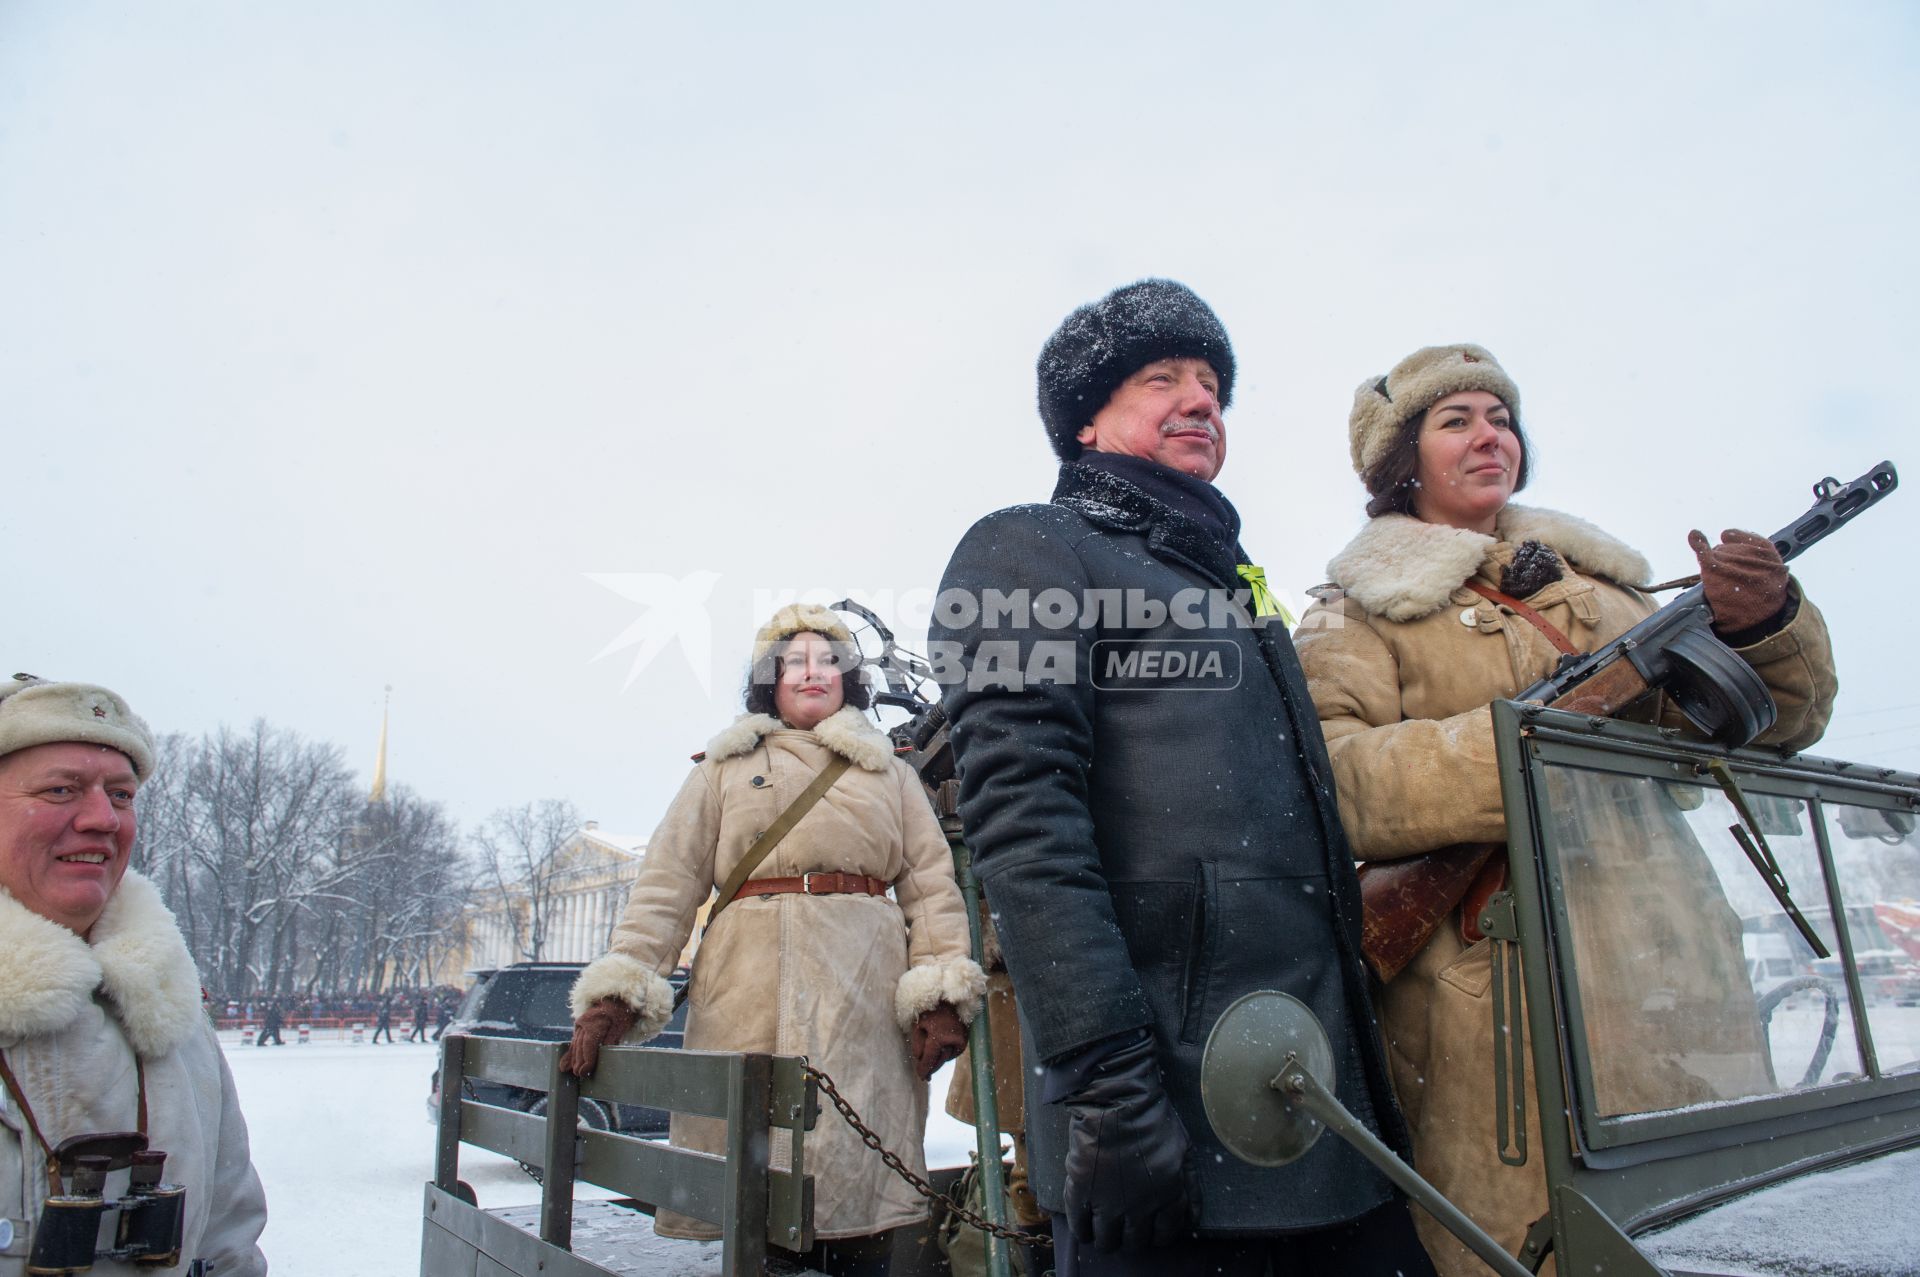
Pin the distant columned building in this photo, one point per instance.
(581, 893)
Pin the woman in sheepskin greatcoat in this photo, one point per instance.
(1403, 659)
(873, 989)
(80, 1003)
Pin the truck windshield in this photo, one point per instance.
(1690, 984)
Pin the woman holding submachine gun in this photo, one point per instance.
(1452, 596)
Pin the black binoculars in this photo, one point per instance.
(152, 1216)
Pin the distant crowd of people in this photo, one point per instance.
(425, 1008)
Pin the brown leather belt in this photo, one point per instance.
(814, 883)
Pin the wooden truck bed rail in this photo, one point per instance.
(752, 1202)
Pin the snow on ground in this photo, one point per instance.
(343, 1145)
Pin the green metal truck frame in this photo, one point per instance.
(1616, 1181)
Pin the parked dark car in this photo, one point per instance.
(529, 1000)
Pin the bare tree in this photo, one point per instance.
(286, 878)
(412, 889)
(517, 848)
(273, 809)
(163, 850)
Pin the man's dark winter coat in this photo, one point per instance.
(1151, 854)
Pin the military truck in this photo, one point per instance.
(1708, 946)
(1701, 1105)
(1778, 1135)
(1782, 1137)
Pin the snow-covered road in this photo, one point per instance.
(342, 1142)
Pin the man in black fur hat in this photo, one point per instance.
(1145, 790)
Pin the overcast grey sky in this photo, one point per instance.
(353, 344)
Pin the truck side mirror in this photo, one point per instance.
(1266, 1084)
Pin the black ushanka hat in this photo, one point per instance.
(1103, 343)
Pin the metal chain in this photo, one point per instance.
(914, 1182)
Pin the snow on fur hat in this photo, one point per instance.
(1382, 406)
(796, 618)
(1103, 343)
(34, 711)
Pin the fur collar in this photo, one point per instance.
(136, 959)
(740, 736)
(847, 733)
(1401, 568)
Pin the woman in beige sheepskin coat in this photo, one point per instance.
(1403, 660)
(843, 979)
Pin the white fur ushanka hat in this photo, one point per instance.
(34, 711)
(1382, 406)
(799, 618)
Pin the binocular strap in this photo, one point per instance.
(55, 1184)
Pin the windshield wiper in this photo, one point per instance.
(1761, 855)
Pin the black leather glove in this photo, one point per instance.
(1127, 1183)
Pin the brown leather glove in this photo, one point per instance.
(602, 1024)
(938, 1036)
(1744, 578)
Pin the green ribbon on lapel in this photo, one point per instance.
(1264, 603)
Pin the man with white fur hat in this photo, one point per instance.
(101, 1028)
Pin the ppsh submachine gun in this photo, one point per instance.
(1676, 651)
(1673, 651)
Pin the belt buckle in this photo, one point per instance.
(806, 882)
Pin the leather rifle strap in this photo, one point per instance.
(763, 845)
(1527, 614)
(1404, 901)
(1492, 876)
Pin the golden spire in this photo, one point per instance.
(379, 792)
